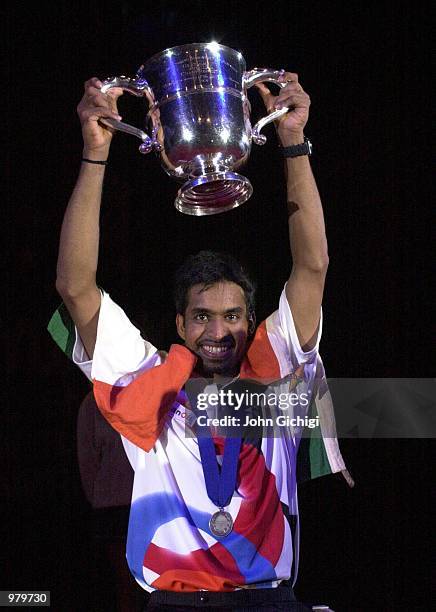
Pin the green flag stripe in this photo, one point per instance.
(319, 463)
(312, 457)
(62, 330)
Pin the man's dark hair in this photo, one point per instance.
(207, 268)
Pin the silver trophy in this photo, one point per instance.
(198, 121)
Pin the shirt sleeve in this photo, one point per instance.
(120, 352)
(319, 453)
(283, 338)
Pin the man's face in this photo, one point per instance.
(215, 327)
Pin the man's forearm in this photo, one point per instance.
(78, 250)
(306, 220)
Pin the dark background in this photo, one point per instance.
(366, 68)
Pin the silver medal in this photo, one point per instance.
(221, 523)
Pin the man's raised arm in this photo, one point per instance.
(79, 242)
(305, 287)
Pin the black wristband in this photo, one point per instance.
(94, 161)
(304, 148)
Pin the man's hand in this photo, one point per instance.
(289, 127)
(94, 106)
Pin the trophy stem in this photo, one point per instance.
(213, 193)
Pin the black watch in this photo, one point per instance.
(304, 148)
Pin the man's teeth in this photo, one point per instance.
(215, 349)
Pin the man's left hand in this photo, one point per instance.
(289, 127)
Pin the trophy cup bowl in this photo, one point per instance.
(198, 121)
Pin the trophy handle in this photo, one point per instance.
(264, 75)
(137, 87)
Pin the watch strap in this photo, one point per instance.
(304, 148)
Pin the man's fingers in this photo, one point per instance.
(94, 114)
(263, 89)
(266, 95)
(292, 86)
(293, 100)
(289, 77)
(95, 99)
(114, 92)
(93, 82)
(290, 95)
(95, 93)
(98, 99)
(290, 89)
(94, 85)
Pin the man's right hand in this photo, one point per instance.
(93, 106)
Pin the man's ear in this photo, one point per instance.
(180, 324)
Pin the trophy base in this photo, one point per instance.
(213, 193)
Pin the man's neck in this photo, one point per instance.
(219, 378)
(225, 379)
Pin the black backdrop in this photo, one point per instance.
(365, 67)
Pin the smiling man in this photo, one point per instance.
(201, 536)
(215, 311)
(215, 327)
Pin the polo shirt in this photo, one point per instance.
(169, 542)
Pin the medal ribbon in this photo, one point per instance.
(220, 486)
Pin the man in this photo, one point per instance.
(188, 542)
